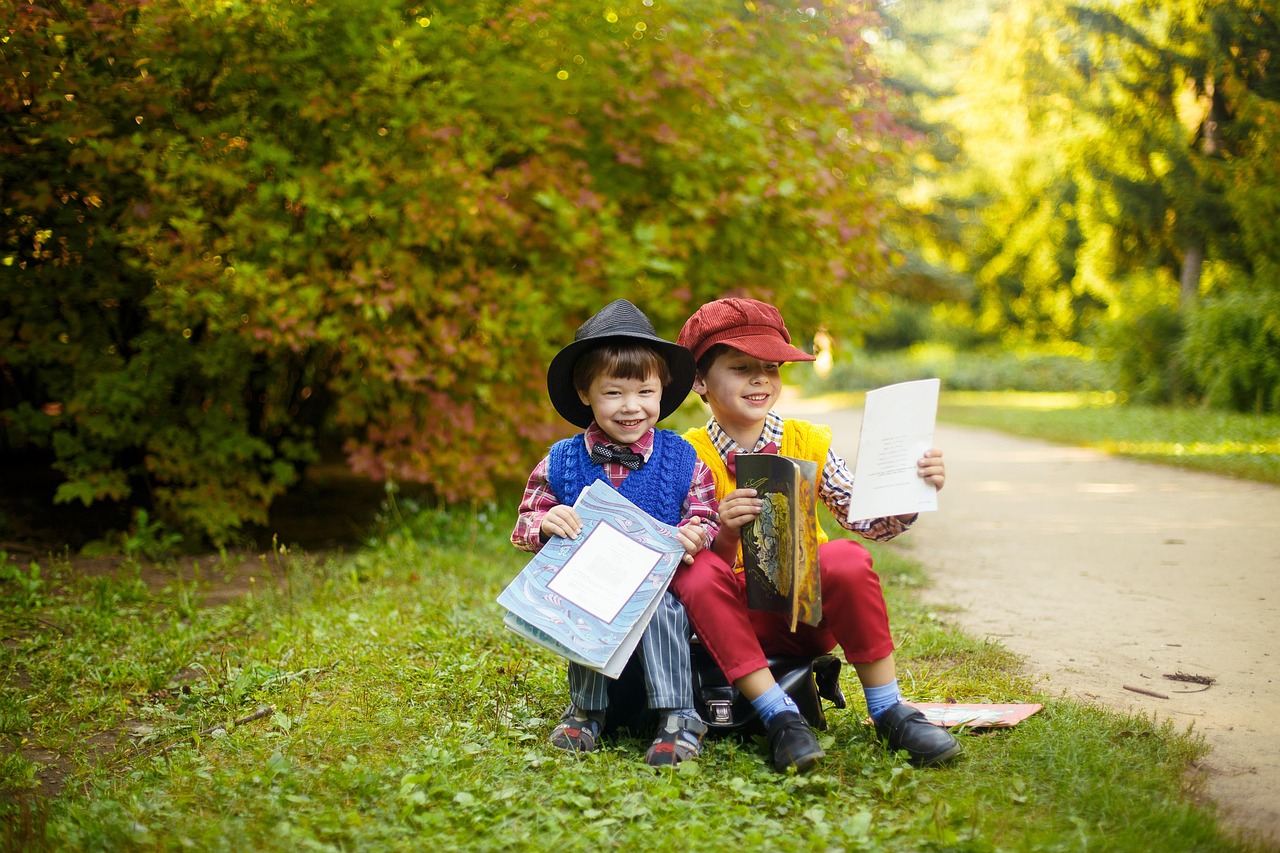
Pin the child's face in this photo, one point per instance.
(625, 409)
(740, 389)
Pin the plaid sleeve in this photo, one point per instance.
(701, 502)
(836, 491)
(537, 502)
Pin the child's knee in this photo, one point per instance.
(707, 572)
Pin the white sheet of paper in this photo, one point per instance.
(607, 568)
(897, 428)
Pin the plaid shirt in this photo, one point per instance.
(835, 487)
(539, 499)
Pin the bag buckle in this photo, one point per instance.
(720, 711)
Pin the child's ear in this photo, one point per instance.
(699, 384)
(582, 395)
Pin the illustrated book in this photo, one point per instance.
(977, 715)
(589, 599)
(780, 547)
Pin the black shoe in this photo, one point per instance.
(904, 727)
(792, 743)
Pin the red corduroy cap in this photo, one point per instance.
(753, 327)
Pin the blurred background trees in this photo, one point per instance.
(236, 238)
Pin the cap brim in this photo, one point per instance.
(565, 399)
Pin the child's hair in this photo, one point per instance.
(620, 360)
(709, 357)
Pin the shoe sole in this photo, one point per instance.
(804, 763)
(941, 757)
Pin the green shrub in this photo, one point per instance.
(1143, 350)
(1064, 369)
(1232, 348)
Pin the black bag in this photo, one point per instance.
(722, 707)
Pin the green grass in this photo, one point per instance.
(404, 716)
(1238, 445)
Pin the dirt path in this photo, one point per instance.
(1104, 573)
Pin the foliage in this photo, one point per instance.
(235, 234)
(1142, 348)
(1216, 441)
(402, 710)
(1062, 368)
(1232, 346)
(1111, 157)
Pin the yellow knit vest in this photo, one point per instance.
(800, 439)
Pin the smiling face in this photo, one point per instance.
(624, 408)
(740, 389)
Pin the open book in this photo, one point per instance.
(780, 547)
(589, 599)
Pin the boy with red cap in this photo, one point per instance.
(616, 380)
(739, 346)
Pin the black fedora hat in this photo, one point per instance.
(618, 321)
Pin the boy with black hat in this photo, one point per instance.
(739, 346)
(616, 380)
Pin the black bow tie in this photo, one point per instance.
(602, 453)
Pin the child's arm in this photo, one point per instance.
(698, 525)
(539, 503)
(835, 489)
(737, 509)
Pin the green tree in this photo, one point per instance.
(236, 233)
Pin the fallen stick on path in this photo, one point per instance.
(1144, 691)
(1206, 680)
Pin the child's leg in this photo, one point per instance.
(855, 614)
(858, 619)
(715, 598)
(668, 675)
(579, 726)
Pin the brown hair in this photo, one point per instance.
(620, 360)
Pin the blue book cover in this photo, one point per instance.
(589, 599)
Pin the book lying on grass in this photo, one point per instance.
(975, 715)
(589, 599)
(780, 546)
(898, 423)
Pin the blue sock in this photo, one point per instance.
(772, 702)
(882, 698)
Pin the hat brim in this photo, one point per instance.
(565, 399)
(763, 347)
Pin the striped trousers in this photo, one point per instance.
(668, 673)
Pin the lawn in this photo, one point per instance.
(382, 706)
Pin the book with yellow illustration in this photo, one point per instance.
(780, 547)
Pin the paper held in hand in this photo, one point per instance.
(898, 423)
(589, 599)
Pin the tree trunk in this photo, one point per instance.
(1192, 261)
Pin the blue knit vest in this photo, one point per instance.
(659, 488)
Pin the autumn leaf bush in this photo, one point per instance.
(235, 235)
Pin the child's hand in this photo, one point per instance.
(561, 520)
(739, 507)
(932, 468)
(693, 537)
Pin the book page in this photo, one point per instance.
(604, 572)
(897, 428)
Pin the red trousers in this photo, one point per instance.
(853, 610)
